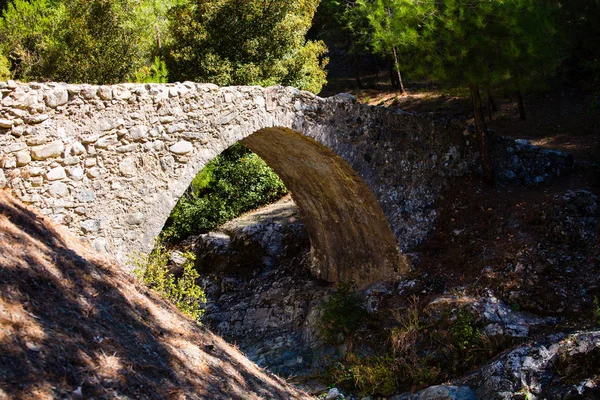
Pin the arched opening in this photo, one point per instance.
(350, 238)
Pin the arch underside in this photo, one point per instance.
(351, 239)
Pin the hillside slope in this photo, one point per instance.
(73, 325)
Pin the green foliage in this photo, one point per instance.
(183, 291)
(94, 41)
(4, 68)
(465, 335)
(342, 313)
(235, 42)
(234, 182)
(368, 375)
(156, 73)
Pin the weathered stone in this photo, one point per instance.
(56, 174)
(3, 180)
(86, 196)
(105, 92)
(76, 173)
(176, 128)
(138, 132)
(19, 146)
(36, 119)
(94, 172)
(128, 148)
(135, 219)
(107, 141)
(9, 162)
(36, 181)
(182, 147)
(57, 97)
(58, 190)
(90, 139)
(46, 151)
(6, 123)
(71, 161)
(23, 158)
(77, 149)
(90, 162)
(128, 167)
(90, 225)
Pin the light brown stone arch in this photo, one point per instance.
(351, 239)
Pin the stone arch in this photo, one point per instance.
(110, 162)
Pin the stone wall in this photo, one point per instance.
(110, 162)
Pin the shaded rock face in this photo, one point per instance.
(561, 367)
(260, 294)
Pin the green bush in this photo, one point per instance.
(235, 182)
(183, 291)
(246, 42)
(342, 313)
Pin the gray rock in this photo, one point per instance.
(138, 132)
(334, 394)
(86, 196)
(128, 167)
(57, 97)
(90, 225)
(58, 190)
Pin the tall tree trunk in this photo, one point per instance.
(481, 129)
(357, 72)
(397, 68)
(491, 104)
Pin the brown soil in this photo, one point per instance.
(73, 325)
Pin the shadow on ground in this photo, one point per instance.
(73, 325)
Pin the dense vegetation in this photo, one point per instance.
(234, 182)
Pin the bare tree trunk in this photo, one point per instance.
(481, 129)
(397, 68)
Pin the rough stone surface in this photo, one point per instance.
(559, 367)
(373, 177)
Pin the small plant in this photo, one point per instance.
(342, 313)
(465, 335)
(368, 375)
(183, 291)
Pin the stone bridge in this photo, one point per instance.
(110, 163)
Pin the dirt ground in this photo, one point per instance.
(73, 325)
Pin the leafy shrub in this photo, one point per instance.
(246, 42)
(233, 183)
(368, 375)
(342, 313)
(183, 291)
